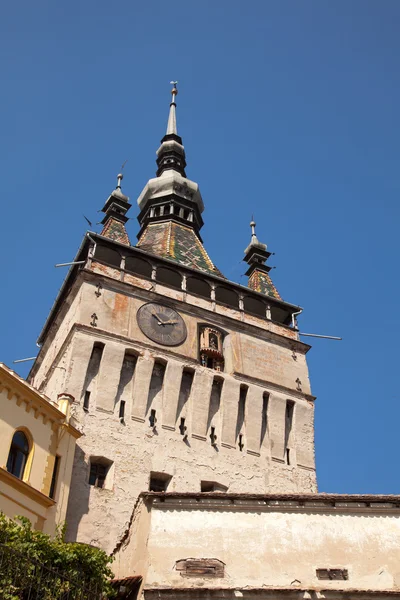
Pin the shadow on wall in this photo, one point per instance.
(78, 504)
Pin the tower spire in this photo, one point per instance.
(256, 255)
(171, 153)
(171, 127)
(115, 209)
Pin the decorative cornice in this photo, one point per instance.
(24, 392)
(292, 593)
(334, 503)
(25, 488)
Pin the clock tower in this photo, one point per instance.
(181, 380)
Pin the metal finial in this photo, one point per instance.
(120, 175)
(174, 90)
(253, 226)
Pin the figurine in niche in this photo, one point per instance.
(203, 360)
(213, 341)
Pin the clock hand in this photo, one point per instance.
(159, 322)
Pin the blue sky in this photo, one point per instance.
(287, 109)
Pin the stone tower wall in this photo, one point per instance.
(265, 358)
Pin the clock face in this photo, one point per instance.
(161, 324)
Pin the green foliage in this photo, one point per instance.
(48, 568)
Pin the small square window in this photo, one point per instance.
(98, 473)
(159, 482)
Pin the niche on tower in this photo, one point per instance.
(89, 386)
(211, 348)
(155, 397)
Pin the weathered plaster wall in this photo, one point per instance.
(283, 548)
(259, 354)
(135, 449)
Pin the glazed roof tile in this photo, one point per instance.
(179, 243)
(115, 230)
(259, 281)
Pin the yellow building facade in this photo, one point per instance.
(36, 452)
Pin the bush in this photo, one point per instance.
(48, 568)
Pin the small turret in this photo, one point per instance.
(256, 255)
(115, 209)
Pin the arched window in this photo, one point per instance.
(227, 296)
(254, 306)
(137, 265)
(18, 455)
(194, 285)
(169, 277)
(108, 256)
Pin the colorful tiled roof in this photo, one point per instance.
(259, 281)
(115, 230)
(177, 242)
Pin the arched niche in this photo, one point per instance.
(169, 277)
(227, 296)
(255, 306)
(200, 287)
(137, 265)
(108, 255)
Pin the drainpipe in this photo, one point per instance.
(294, 324)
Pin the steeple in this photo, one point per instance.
(171, 153)
(256, 255)
(115, 209)
(171, 196)
(171, 127)
(171, 205)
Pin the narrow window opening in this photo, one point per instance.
(92, 371)
(182, 427)
(264, 417)
(184, 392)
(122, 409)
(54, 477)
(86, 401)
(159, 482)
(213, 437)
(288, 427)
(125, 386)
(241, 443)
(152, 418)
(156, 387)
(241, 414)
(214, 406)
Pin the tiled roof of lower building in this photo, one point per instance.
(177, 242)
